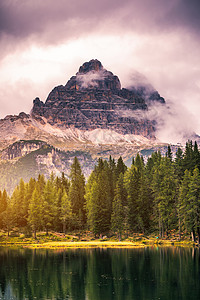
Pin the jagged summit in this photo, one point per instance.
(92, 65)
(93, 99)
(91, 108)
(92, 75)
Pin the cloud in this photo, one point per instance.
(157, 38)
(90, 79)
(171, 125)
(184, 14)
(52, 21)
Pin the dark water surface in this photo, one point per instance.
(100, 274)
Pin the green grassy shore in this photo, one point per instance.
(86, 240)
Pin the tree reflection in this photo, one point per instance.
(100, 274)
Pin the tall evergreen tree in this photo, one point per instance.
(178, 164)
(118, 217)
(169, 152)
(58, 225)
(93, 204)
(77, 191)
(19, 202)
(112, 174)
(145, 204)
(66, 212)
(65, 183)
(99, 199)
(3, 204)
(121, 167)
(132, 179)
(196, 156)
(193, 207)
(183, 203)
(188, 157)
(8, 217)
(48, 206)
(3, 200)
(164, 189)
(35, 211)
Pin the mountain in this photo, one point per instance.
(90, 116)
(94, 99)
(29, 158)
(91, 101)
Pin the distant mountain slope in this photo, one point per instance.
(90, 117)
(91, 100)
(26, 159)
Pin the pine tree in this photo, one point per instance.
(58, 183)
(193, 207)
(183, 203)
(139, 163)
(118, 207)
(66, 212)
(3, 204)
(8, 217)
(164, 188)
(132, 181)
(178, 164)
(93, 204)
(41, 182)
(19, 202)
(152, 161)
(196, 155)
(58, 226)
(28, 195)
(65, 183)
(145, 204)
(111, 170)
(139, 195)
(77, 192)
(169, 152)
(35, 211)
(121, 167)
(188, 157)
(48, 206)
(99, 199)
(104, 202)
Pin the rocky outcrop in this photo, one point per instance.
(26, 159)
(94, 99)
(20, 148)
(90, 113)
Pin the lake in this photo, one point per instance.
(100, 274)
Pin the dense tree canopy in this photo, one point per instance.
(159, 196)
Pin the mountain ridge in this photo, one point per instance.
(92, 102)
(93, 99)
(90, 116)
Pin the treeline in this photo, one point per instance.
(161, 195)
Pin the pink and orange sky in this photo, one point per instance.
(43, 43)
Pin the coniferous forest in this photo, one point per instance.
(160, 196)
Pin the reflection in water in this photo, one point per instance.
(100, 274)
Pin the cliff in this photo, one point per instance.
(93, 99)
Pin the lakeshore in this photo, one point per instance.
(57, 241)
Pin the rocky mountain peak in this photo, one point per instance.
(92, 65)
(93, 76)
(93, 99)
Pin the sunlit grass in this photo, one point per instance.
(89, 244)
(87, 240)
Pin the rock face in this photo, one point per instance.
(26, 159)
(19, 149)
(94, 99)
(90, 117)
